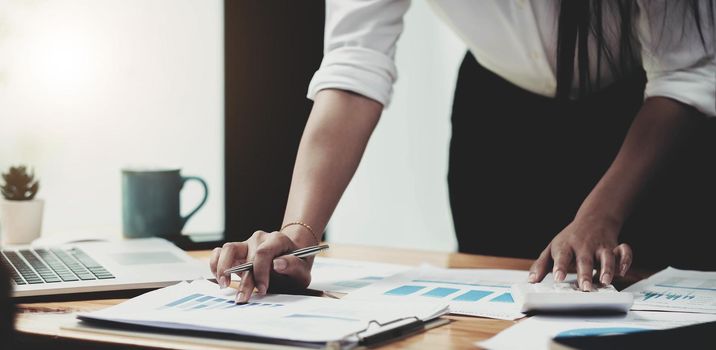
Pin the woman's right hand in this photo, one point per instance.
(332, 145)
(266, 250)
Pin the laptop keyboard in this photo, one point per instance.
(37, 266)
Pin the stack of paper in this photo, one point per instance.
(679, 297)
(676, 290)
(472, 292)
(202, 306)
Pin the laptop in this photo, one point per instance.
(98, 266)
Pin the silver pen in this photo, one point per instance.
(300, 253)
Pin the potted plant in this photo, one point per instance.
(20, 212)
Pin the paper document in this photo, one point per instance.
(343, 276)
(202, 306)
(537, 331)
(676, 290)
(472, 292)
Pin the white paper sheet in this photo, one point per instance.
(676, 290)
(537, 331)
(344, 276)
(201, 305)
(472, 292)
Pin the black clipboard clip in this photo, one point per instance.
(393, 330)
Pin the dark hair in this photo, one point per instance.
(580, 19)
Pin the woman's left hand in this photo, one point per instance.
(585, 241)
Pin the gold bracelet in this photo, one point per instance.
(309, 228)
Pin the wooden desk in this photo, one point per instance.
(40, 323)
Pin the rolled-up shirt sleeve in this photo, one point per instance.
(679, 60)
(359, 47)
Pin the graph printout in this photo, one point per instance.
(472, 292)
(202, 306)
(676, 290)
(344, 276)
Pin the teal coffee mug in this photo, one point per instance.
(150, 202)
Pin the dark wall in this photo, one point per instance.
(272, 48)
(7, 308)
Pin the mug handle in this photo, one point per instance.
(184, 219)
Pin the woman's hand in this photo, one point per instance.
(586, 241)
(332, 145)
(266, 250)
(658, 129)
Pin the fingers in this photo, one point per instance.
(275, 245)
(624, 255)
(266, 252)
(230, 255)
(539, 267)
(294, 268)
(606, 273)
(585, 265)
(246, 288)
(562, 259)
(213, 260)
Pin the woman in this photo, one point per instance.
(556, 130)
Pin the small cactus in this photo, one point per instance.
(19, 185)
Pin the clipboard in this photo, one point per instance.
(385, 333)
(170, 310)
(396, 330)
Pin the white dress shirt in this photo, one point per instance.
(515, 39)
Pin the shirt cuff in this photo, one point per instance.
(695, 86)
(357, 69)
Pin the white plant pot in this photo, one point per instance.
(20, 221)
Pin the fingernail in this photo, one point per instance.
(222, 282)
(559, 276)
(532, 278)
(240, 296)
(279, 265)
(261, 289)
(606, 278)
(623, 270)
(587, 286)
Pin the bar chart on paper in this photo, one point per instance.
(668, 295)
(294, 320)
(345, 276)
(207, 302)
(676, 290)
(472, 292)
(459, 295)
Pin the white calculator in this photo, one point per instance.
(548, 296)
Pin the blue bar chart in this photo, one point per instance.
(472, 292)
(358, 283)
(404, 290)
(455, 294)
(207, 302)
(503, 298)
(668, 295)
(473, 295)
(440, 292)
(676, 290)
